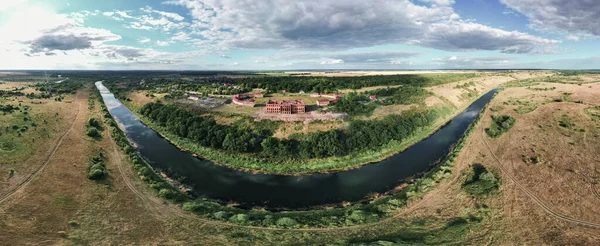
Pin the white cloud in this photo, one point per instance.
(162, 43)
(339, 25)
(572, 37)
(144, 40)
(181, 37)
(560, 15)
(330, 62)
(173, 16)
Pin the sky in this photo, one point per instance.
(300, 34)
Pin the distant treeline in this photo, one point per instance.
(332, 84)
(360, 135)
(229, 85)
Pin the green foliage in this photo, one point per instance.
(520, 83)
(453, 232)
(480, 181)
(565, 121)
(361, 135)
(98, 168)
(500, 125)
(401, 95)
(92, 132)
(8, 108)
(354, 104)
(93, 122)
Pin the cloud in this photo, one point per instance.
(375, 57)
(70, 37)
(466, 62)
(173, 16)
(330, 62)
(340, 25)
(144, 40)
(121, 52)
(572, 37)
(560, 15)
(466, 36)
(366, 58)
(162, 43)
(181, 37)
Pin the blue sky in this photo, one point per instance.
(302, 34)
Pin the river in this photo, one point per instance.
(275, 191)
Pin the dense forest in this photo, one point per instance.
(359, 136)
(294, 84)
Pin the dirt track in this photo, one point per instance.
(22, 185)
(531, 195)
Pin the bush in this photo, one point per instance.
(286, 222)
(92, 132)
(94, 122)
(239, 219)
(500, 125)
(481, 181)
(167, 194)
(98, 169)
(96, 174)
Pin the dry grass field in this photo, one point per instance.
(22, 151)
(60, 206)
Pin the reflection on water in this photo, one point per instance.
(208, 179)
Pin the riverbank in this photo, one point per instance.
(248, 163)
(381, 207)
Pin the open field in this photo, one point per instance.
(550, 152)
(28, 134)
(369, 73)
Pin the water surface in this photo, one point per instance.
(226, 184)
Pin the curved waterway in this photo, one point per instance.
(248, 189)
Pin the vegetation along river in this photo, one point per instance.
(249, 189)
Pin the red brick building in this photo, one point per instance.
(322, 102)
(240, 99)
(286, 107)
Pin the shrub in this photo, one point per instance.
(480, 181)
(168, 194)
(239, 218)
(500, 125)
(92, 132)
(96, 174)
(94, 122)
(98, 169)
(286, 222)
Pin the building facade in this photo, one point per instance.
(285, 107)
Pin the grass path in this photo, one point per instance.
(23, 184)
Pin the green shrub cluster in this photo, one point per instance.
(98, 168)
(257, 142)
(480, 181)
(94, 126)
(355, 104)
(500, 125)
(8, 108)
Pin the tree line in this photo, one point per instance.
(359, 136)
(360, 104)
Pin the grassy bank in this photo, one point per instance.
(251, 163)
(356, 214)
